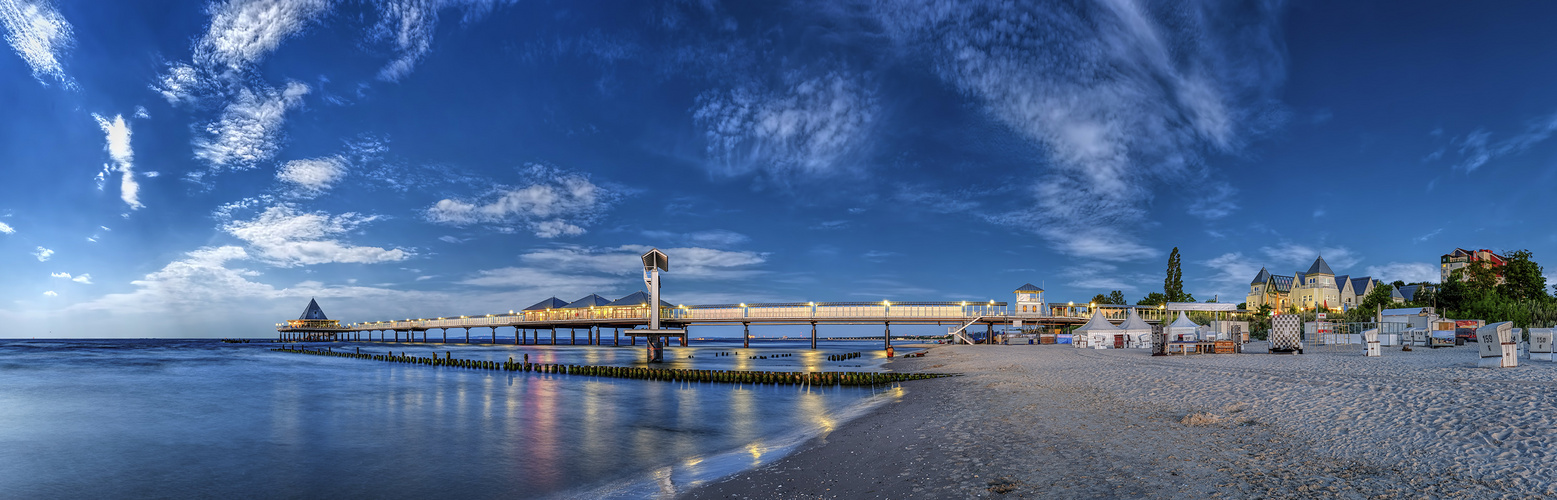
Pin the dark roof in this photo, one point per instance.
(1320, 267)
(1029, 288)
(1264, 276)
(587, 302)
(1283, 284)
(1408, 292)
(636, 299)
(1395, 292)
(1340, 282)
(1360, 285)
(551, 303)
(312, 311)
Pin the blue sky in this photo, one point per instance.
(203, 169)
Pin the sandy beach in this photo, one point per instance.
(1058, 422)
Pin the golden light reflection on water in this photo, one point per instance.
(755, 449)
(814, 407)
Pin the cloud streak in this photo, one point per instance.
(812, 126)
(40, 35)
(285, 237)
(1117, 94)
(555, 203)
(249, 130)
(118, 148)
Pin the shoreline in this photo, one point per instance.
(1047, 421)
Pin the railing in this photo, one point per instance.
(772, 311)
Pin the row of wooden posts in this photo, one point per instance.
(666, 374)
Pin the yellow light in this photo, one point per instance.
(743, 304)
(1071, 302)
(812, 304)
(885, 303)
(964, 303)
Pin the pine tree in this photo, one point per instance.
(1173, 285)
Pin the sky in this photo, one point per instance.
(191, 169)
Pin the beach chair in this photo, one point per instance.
(1286, 334)
(1370, 338)
(1495, 345)
(1541, 344)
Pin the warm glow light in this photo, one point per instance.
(743, 304)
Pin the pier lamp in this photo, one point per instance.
(886, 303)
(812, 304)
(743, 304)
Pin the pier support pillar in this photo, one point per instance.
(554, 335)
(989, 333)
(616, 336)
(494, 335)
(518, 335)
(745, 334)
(446, 335)
(888, 336)
(813, 335)
(572, 336)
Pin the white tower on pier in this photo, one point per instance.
(1029, 301)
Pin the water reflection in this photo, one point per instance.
(173, 418)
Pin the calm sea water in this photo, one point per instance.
(198, 418)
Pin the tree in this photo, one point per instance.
(1116, 297)
(1100, 299)
(1522, 279)
(1243, 305)
(1376, 299)
(1398, 283)
(1153, 299)
(1173, 285)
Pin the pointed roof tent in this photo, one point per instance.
(1028, 288)
(1264, 276)
(312, 311)
(591, 300)
(1320, 267)
(655, 258)
(1098, 324)
(1134, 324)
(636, 299)
(1183, 322)
(551, 303)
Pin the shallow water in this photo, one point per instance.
(198, 418)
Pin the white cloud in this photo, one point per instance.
(43, 254)
(450, 239)
(6, 228)
(1098, 276)
(244, 31)
(1233, 274)
(686, 262)
(83, 278)
(40, 35)
(815, 125)
(1428, 236)
(1409, 272)
(118, 147)
(879, 255)
(50, 293)
(1303, 256)
(284, 237)
(312, 177)
(1120, 97)
(181, 84)
(410, 24)
(141, 113)
(60, 275)
(717, 238)
(557, 203)
(249, 128)
(1214, 202)
(1477, 148)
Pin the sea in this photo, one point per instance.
(199, 418)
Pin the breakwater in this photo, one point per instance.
(630, 372)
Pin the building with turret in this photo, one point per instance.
(1318, 288)
(1029, 301)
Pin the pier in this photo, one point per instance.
(632, 317)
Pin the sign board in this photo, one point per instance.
(1320, 317)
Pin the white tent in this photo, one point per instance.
(1183, 329)
(1136, 330)
(1098, 332)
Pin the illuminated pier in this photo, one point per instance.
(634, 316)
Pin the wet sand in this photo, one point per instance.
(1058, 422)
